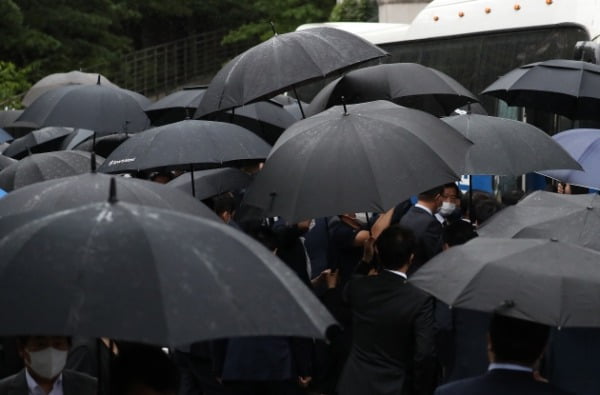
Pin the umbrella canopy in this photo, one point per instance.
(76, 138)
(69, 192)
(186, 144)
(103, 145)
(267, 119)
(36, 141)
(5, 161)
(506, 147)
(583, 145)
(5, 136)
(557, 200)
(175, 107)
(549, 282)
(282, 62)
(45, 166)
(290, 104)
(101, 108)
(212, 182)
(56, 80)
(367, 158)
(566, 87)
(408, 84)
(149, 275)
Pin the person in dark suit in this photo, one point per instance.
(393, 348)
(514, 348)
(45, 358)
(428, 230)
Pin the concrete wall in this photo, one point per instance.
(400, 11)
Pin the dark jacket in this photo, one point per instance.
(500, 382)
(393, 350)
(74, 383)
(428, 232)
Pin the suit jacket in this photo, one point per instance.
(393, 350)
(500, 382)
(428, 232)
(74, 383)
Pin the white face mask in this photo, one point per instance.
(48, 363)
(447, 208)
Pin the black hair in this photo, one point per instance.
(459, 232)
(431, 193)
(515, 340)
(484, 209)
(454, 186)
(395, 245)
(512, 197)
(143, 365)
(223, 203)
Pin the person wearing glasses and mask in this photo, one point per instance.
(45, 358)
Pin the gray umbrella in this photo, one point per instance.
(175, 107)
(36, 141)
(45, 166)
(69, 192)
(76, 138)
(366, 158)
(283, 62)
(100, 108)
(149, 275)
(212, 182)
(408, 84)
(5, 161)
(506, 147)
(545, 281)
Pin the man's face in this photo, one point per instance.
(449, 195)
(39, 343)
(45, 356)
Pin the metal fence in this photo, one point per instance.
(160, 69)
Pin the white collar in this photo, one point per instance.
(424, 208)
(398, 273)
(510, 366)
(35, 388)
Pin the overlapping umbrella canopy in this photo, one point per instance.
(41, 140)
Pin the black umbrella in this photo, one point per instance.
(212, 182)
(45, 166)
(267, 119)
(103, 145)
(199, 144)
(408, 84)
(175, 107)
(545, 281)
(5, 161)
(506, 147)
(100, 108)
(283, 62)
(290, 104)
(79, 190)
(149, 275)
(556, 200)
(367, 158)
(566, 87)
(41, 140)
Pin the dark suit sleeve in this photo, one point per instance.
(432, 240)
(424, 353)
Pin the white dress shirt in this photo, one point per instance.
(35, 389)
(424, 208)
(510, 366)
(396, 272)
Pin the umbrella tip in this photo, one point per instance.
(98, 82)
(344, 104)
(273, 28)
(93, 164)
(112, 194)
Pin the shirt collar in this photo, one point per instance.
(510, 366)
(396, 272)
(424, 208)
(34, 387)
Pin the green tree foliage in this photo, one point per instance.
(285, 14)
(13, 81)
(355, 11)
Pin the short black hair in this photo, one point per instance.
(395, 245)
(430, 194)
(485, 209)
(223, 203)
(139, 364)
(515, 340)
(453, 186)
(459, 232)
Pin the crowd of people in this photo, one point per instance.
(393, 338)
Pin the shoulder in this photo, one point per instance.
(13, 381)
(83, 381)
(464, 387)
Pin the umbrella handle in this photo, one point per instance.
(298, 101)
